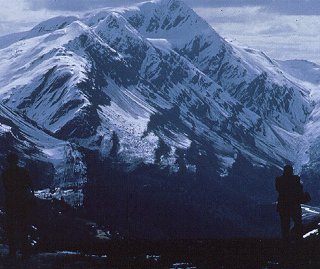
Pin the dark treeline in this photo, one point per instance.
(151, 202)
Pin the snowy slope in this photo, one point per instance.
(19, 133)
(42, 28)
(248, 75)
(307, 74)
(240, 71)
(150, 73)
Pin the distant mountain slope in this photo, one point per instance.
(303, 70)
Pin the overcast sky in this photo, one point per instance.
(284, 29)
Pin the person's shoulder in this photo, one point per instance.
(297, 179)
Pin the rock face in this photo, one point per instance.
(152, 85)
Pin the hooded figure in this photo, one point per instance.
(18, 194)
(290, 192)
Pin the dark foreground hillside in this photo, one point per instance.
(245, 253)
(64, 238)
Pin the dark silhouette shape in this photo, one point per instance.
(19, 198)
(290, 192)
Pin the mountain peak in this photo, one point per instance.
(172, 4)
(114, 27)
(164, 19)
(113, 20)
(165, 6)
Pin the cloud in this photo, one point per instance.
(17, 16)
(231, 14)
(75, 5)
(291, 47)
(224, 3)
(288, 7)
(12, 9)
(281, 36)
(13, 15)
(291, 7)
(294, 7)
(278, 29)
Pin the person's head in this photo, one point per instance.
(12, 159)
(288, 170)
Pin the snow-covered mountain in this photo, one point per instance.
(153, 84)
(154, 71)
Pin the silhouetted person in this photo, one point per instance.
(18, 198)
(290, 192)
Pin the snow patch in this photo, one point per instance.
(161, 43)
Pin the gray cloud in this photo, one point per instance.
(278, 29)
(295, 7)
(227, 15)
(75, 5)
(289, 7)
(224, 3)
(292, 7)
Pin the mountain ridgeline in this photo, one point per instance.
(160, 120)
